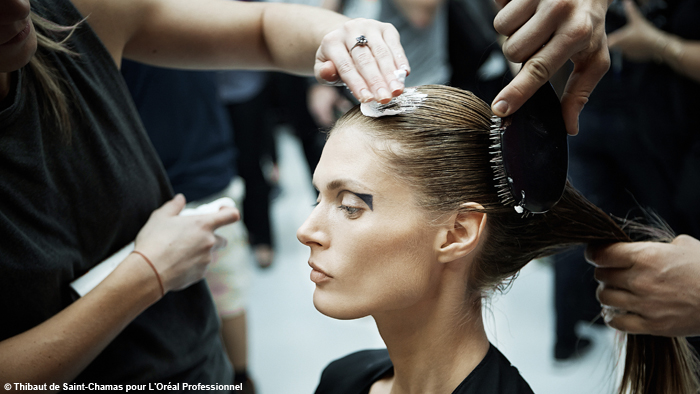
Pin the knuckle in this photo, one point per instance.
(599, 275)
(388, 28)
(539, 70)
(499, 23)
(592, 254)
(364, 58)
(636, 284)
(375, 83)
(653, 315)
(199, 222)
(355, 24)
(344, 67)
(381, 52)
(210, 241)
(601, 65)
(602, 295)
(684, 239)
(599, 295)
(582, 30)
(514, 51)
(616, 324)
(563, 7)
(649, 256)
(656, 325)
(330, 39)
(383, 26)
(357, 21)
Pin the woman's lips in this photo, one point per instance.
(19, 37)
(318, 275)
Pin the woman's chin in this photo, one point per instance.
(337, 308)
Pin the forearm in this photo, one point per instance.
(293, 33)
(57, 350)
(224, 34)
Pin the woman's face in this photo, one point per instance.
(372, 249)
(17, 35)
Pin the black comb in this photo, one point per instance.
(531, 154)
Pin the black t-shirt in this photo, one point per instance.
(355, 374)
(67, 203)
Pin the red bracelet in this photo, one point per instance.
(160, 282)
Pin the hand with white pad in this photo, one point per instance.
(178, 241)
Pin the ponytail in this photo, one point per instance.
(653, 365)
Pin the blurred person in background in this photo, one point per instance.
(248, 100)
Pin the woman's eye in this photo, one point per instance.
(350, 211)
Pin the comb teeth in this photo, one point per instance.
(499, 171)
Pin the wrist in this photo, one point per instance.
(668, 49)
(155, 271)
(138, 278)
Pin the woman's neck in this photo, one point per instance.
(434, 345)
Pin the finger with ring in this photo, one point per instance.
(610, 312)
(361, 42)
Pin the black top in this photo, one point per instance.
(68, 203)
(355, 374)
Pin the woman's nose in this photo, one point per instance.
(310, 233)
(12, 11)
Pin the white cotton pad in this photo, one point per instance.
(408, 101)
(401, 75)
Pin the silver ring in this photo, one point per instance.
(609, 313)
(361, 42)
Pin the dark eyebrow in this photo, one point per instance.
(335, 184)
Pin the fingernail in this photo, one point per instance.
(332, 79)
(365, 95)
(396, 86)
(405, 68)
(575, 129)
(501, 108)
(383, 95)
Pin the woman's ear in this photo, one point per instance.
(462, 233)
